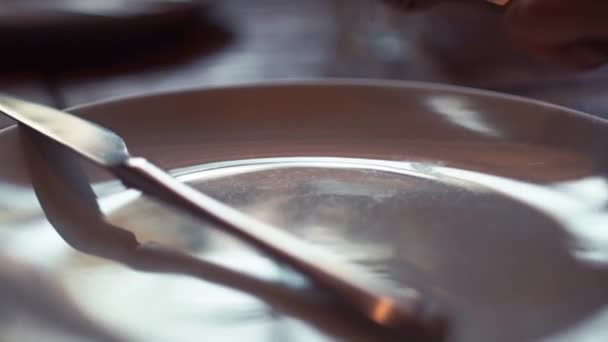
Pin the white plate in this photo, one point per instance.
(492, 205)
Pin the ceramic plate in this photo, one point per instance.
(493, 206)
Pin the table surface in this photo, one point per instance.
(243, 40)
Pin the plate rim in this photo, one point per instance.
(332, 82)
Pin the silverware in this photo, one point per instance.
(62, 188)
(382, 304)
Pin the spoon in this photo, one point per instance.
(380, 303)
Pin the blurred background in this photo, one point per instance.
(70, 52)
(65, 53)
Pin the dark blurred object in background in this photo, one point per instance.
(66, 33)
(460, 42)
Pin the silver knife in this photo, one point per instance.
(404, 312)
